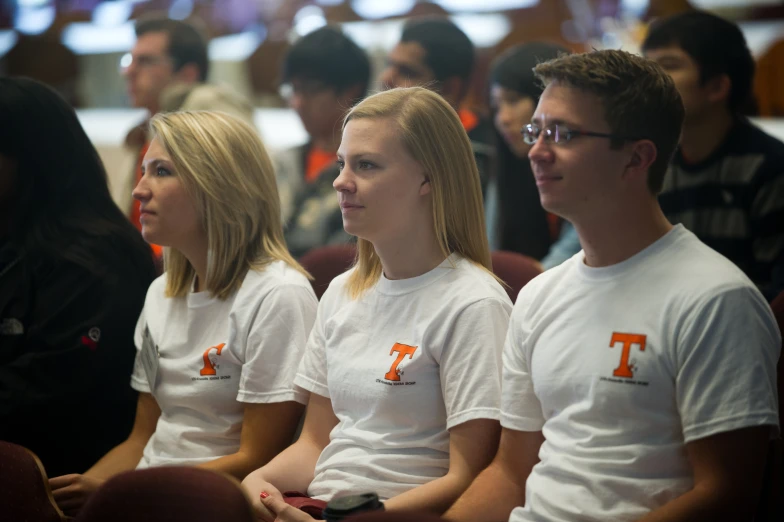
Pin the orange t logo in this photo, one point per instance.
(402, 350)
(623, 369)
(209, 369)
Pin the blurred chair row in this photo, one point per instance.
(169, 494)
(325, 263)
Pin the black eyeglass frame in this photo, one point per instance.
(552, 134)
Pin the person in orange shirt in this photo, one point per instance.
(324, 74)
(434, 53)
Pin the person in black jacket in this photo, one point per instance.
(73, 276)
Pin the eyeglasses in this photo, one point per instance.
(143, 61)
(302, 88)
(560, 133)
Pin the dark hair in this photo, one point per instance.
(186, 43)
(514, 68)
(328, 56)
(717, 45)
(448, 51)
(639, 99)
(523, 224)
(61, 204)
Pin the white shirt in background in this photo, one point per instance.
(621, 366)
(403, 364)
(217, 355)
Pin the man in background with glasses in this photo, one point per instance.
(435, 53)
(639, 376)
(166, 71)
(726, 180)
(324, 74)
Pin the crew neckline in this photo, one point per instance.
(619, 269)
(412, 284)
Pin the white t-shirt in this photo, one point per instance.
(402, 364)
(621, 366)
(216, 355)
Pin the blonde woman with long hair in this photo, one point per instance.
(224, 328)
(403, 363)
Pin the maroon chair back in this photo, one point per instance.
(168, 494)
(515, 270)
(24, 488)
(326, 263)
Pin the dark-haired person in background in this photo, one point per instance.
(166, 71)
(523, 225)
(73, 277)
(435, 53)
(726, 181)
(325, 73)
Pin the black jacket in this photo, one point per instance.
(67, 352)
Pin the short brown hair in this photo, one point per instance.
(640, 100)
(187, 43)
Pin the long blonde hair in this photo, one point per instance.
(430, 130)
(225, 168)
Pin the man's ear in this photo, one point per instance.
(352, 94)
(188, 73)
(719, 88)
(453, 90)
(643, 154)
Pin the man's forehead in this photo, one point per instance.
(409, 53)
(673, 51)
(563, 103)
(152, 42)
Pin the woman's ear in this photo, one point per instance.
(424, 188)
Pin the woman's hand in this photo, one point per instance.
(254, 484)
(283, 512)
(71, 492)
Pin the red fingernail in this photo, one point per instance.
(264, 494)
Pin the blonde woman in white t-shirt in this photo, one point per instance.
(223, 330)
(403, 363)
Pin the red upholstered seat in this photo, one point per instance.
(168, 494)
(326, 263)
(24, 488)
(515, 270)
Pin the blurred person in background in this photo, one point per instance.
(726, 180)
(167, 71)
(73, 276)
(226, 325)
(435, 53)
(522, 224)
(324, 74)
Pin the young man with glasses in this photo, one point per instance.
(324, 74)
(166, 71)
(726, 180)
(638, 376)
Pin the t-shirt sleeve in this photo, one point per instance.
(312, 372)
(139, 377)
(726, 365)
(520, 407)
(470, 362)
(275, 344)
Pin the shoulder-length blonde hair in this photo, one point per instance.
(225, 168)
(430, 130)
